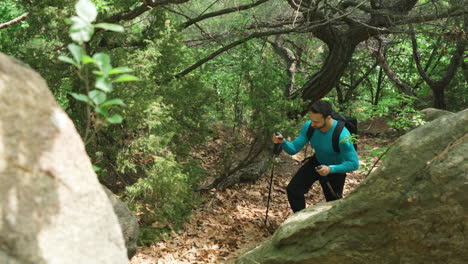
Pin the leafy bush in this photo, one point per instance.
(164, 193)
(397, 107)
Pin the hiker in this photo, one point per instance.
(329, 165)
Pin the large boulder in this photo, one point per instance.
(127, 220)
(412, 209)
(431, 114)
(52, 207)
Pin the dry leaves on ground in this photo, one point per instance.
(231, 221)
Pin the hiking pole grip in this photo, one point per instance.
(277, 148)
(337, 196)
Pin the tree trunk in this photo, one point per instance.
(339, 56)
(378, 91)
(439, 97)
(339, 94)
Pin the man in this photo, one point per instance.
(327, 166)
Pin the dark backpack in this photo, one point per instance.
(343, 121)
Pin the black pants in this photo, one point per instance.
(305, 177)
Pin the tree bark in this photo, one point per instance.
(342, 41)
(392, 76)
(378, 91)
(439, 97)
(291, 61)
(14, 21)
(438, 86)
(340, 54)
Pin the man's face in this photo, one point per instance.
(318, 122)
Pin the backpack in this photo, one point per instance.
(343, 121)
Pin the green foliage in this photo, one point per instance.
(149, 234)
(369, 160)
(402, 112)
(8, 11)
(397, 107)
(149, 153)
(81, 31)
(353, 139)
(164, 193)
(251, 91)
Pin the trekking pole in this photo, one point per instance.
(276, 152)
(337, 196)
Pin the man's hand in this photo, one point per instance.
(323, 170)
(277, 139)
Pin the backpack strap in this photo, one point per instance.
(310, 132)
(336, 136)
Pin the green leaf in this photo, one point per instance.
(110, 27)
(113, 102)
(115, 119)
(67, 60)
(119, 70)
(80, 97)
(103, 62)
(86, 10)
(98, 97)
(96, 168)
(98, 73)
(104, 84)
(81, 31)
(85, 59)
(100, 110)
(76, 51)
(126, 78)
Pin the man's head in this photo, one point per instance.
(320, 114)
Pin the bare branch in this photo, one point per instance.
(145, 6)
(452, 12)
(232, 45)
(14, 21)
(451, 69)
(291, 61)
(222, 12)
(273, 24)
(399, 84)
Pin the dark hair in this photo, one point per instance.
(321, 107)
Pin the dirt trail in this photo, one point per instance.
(231, 221)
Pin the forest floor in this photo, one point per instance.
(230, 222)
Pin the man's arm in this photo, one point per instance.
(348, 155)
(293, 147)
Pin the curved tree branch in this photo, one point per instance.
(145, 6)
(451, 69)
(291, 61)
(222, 12)
(14, 21)
(232, 45)
(452, 12)
(394, 79)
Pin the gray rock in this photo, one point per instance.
(431, 114)
(52, 207)
(127, 220)
(412, 209)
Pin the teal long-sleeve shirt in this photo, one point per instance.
(339, 162)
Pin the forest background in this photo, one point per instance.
(189, 69)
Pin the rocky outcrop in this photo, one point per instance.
(52, 207)
(127, 220)
(412, 209)
(431, 114)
